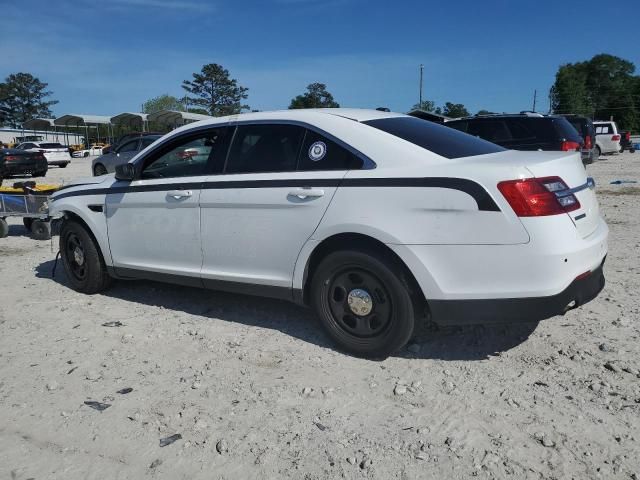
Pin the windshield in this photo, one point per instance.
(444, 141)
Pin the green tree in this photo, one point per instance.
(316, 96)
(162, 102)
(23, 97)
(603, 87)
(455, 110)
(426, 105)
(215, 91)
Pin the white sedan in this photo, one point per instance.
(55, 153)
(377, 220)
(92, 151)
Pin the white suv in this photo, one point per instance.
(607, 137)
(375, 219)
(55, 153)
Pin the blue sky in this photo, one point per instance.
(108, 56)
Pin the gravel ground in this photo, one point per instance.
(256, 390)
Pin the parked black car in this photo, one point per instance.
(587, 131)
(625, 142)
(20, 162)
(523, 131)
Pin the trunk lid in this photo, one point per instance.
(569, 168)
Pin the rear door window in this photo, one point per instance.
(265, 148)
(321, 153)
(131, 146)
(439, 139)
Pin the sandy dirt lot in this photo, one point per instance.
(256, 390)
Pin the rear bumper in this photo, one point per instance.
(22, 169)
(515, 310)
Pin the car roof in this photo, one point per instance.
(505, 115)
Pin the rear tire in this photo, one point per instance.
(363, 303)
(86, 154)
(632, 150)
(40, 230)
(63, 165)
(4, 228)
(99, 170)
(82, 260)
(597, 154)
(27, 222)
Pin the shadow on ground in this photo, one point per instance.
(453, 343)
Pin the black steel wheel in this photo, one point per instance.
(363, 303)
(99, 169)
(82, 260)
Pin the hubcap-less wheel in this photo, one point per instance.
(363, 302)
(359, 302)
(99, 170)
(75, 254)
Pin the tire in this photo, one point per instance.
(4, 228)
(621, 150)
(384, 323)
(99, 170)
(597, 154)
(40, 230)
(632, 150)
(63, 165)
(27, 222)
(86, 154)
(82, 260)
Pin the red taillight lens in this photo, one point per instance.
(10, 158)
(627, 136)
(587, 142)
(568, 146)
(615, 138)
(537, 197)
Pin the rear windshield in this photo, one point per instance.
(518, 129)
(50, 145)
(441, 140)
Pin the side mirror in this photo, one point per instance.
(125, 172)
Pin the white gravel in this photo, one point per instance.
(256, 390)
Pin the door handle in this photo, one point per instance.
(178, 194)
(307, 192)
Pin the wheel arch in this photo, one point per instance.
(362, 243)
(91, 227)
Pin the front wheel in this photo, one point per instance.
(82, 260)
(363, 303)
(40, 230)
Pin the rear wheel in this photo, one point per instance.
(27, 222)
(86, 154)
(40, 230)
(63, 165)
(598, 153)
(99, 169)
(82, 260)
(363, 303)
(4, 228)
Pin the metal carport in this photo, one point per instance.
(39, 124)
(174, 118)
(132, 119)
(85, 121)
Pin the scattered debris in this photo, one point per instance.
(93, 375)
(115, 323)
(612, 367)
(400, 390)
(222, 446)
(169, 440)
(156, 463)
(320, 426)
(72, 370)
(97, 405)
(124, 391)
(51, 386)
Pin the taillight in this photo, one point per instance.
(10, 158)
(569, 146)
(627, 136)
(587, 142)
(615, 138)
(537, 197)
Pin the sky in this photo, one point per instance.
(105, 57)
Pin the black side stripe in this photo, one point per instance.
(471, 188)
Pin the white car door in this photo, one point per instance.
(277, 184)
(154, 221)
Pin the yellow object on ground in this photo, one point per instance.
(42, 188)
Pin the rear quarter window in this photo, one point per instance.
(439, 139)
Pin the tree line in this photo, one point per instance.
(603, 87)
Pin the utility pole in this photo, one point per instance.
(535, 94)
(421, 75)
